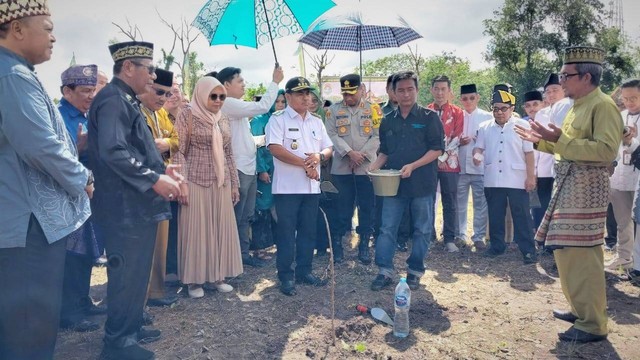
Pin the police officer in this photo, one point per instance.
(352, 125)
(298, 142)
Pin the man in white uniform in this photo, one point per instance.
(299, 142)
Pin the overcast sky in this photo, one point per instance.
(84, 27)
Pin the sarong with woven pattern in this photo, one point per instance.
(578, 208)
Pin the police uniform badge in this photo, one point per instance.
(294, 145)
(376, 115)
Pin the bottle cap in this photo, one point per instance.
(403, 280)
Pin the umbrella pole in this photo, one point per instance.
(273, 47)
(360, 46)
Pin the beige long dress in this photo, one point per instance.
(208, 242)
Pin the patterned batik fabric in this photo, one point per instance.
(578, 208)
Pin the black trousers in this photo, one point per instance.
(31, 283)
(129, 254)
(545, 187)
(449, 196)
(172, 243)
(497, 208)
(612, 228)
(75, 288)
(296, 229)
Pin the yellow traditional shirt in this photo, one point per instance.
(162, 128)
(591, 132)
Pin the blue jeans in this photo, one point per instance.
(476, 183)
(422, 217)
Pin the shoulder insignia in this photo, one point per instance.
(328, 113)
(278, 113)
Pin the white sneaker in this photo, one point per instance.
(196, 291)
(451, 247)
(223, 287)
(617, 263)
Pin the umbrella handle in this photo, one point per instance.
(273, 47)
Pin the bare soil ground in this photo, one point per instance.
(469, 307)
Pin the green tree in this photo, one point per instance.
(194, 71)
(528, 38)
(620, 62)
(252, 91)
(519, 44)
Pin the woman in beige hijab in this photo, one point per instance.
(208, 243)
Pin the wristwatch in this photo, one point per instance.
(321, 156)
(91, 179)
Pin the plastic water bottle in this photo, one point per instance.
(402, 302)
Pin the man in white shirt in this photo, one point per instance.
(471, 176)
(244, 147)
(624, 180)
(298, 142)
(534, 106)
(554, 95)
(508, 175)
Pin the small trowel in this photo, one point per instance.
(376, 313)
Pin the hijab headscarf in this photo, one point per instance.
(320, 111)
(199, 100)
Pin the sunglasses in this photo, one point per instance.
(150, 68)
(503, 109)
(215, 97)
(164, 93)
(468, 98)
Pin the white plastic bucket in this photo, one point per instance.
(385, 182)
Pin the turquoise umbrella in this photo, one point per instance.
(252, 23)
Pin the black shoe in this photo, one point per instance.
(380, 282)
(147, 319)
(492, 253)
(413, 281)
(310, 279)
(575, 335)
(530, 258)
(565, 316)
(146, 336)
(165, 301)
(94, 310)
(364, 256)
(401, 246)
(132, 352)
(338, 257)
(634, 277)
(83, 325)
(252, 261)
(288, 287)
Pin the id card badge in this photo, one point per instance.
(626, 158)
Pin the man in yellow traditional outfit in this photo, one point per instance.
(573, 225)
(166, 140)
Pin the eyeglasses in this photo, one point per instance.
(502, 109)
(215, 97)
(150, 68)
(467, 98)
(565, 76)
(164, 93)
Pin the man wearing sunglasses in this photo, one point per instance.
(471, 176)
(166, 140)
(134, 187)
(509, 173)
